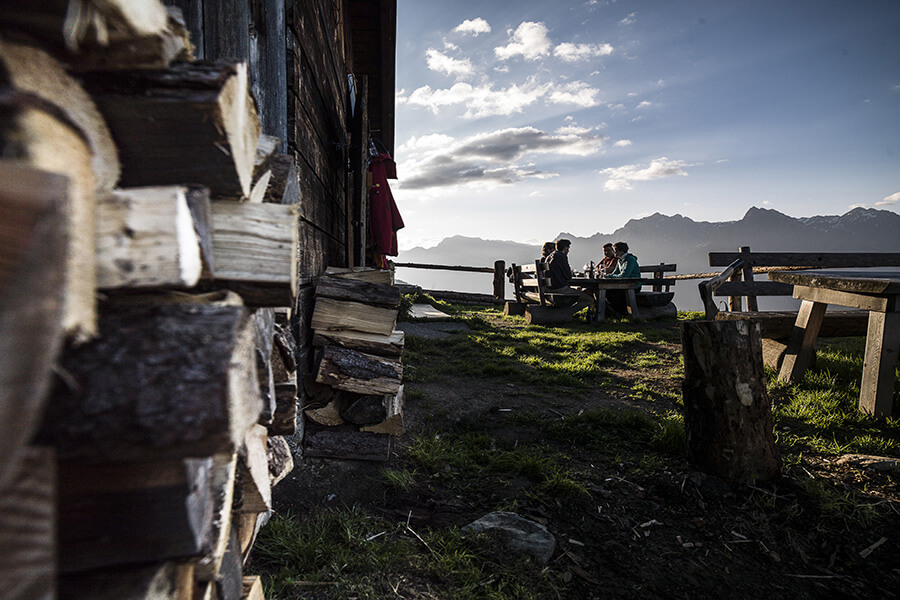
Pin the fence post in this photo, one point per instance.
(748, 276)
(499, 283)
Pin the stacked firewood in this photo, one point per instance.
(146, 379)
(356, 395)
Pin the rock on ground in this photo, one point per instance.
(517, 534)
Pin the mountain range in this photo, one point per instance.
(670, 239)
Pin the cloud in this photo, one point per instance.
(438, 61)
(622, 178)
(629, 20)
(485, 101)
(473, 26)
(622, 143)
(576, 92)
(644, 104)
(570, 52)
(889, 200)
(494, 158)
(529, 40)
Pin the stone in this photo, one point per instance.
(517, 534)
(870, 463)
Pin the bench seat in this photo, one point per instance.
(780, 324)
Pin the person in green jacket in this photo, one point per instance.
(626, 268)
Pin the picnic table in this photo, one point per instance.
(875, 292)
(597, 288)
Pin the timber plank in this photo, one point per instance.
(370, 343)
(343, 315)
(815, 260)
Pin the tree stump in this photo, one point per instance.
(727, 413)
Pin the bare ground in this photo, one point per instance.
(662, 530)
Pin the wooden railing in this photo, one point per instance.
(499, 284)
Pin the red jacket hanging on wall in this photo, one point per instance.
(384, 218)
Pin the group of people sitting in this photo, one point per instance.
(617, 263)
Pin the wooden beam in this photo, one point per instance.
(146, 237)
(382, 276)
(800, 349)
(222, 482)
(876, 394)
(129, 392)
(161, 581)
(193, 122)
(813, 260)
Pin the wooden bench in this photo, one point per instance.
(656, 295)
(531, 287)
(736, 282)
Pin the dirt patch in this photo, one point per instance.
(648, 526)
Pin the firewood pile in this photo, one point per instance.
(356, 396)
(147, 372)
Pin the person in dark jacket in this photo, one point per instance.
(560, 274)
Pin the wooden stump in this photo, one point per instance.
(728, 417)
(512, 308)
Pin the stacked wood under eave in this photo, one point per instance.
(141, 421)
(356, 395)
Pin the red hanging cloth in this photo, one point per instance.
(384, 217)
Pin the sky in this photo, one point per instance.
(521, 120)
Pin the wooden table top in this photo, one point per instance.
(882, 283)
(609, 283)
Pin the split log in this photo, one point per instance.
(230, 578)
(366, 409)
(358, 372)
(96, 22)
(248, 526)
(260, 185)
(198, 202)
(222, 485)
(393, 423)
(33, 244)
(193, 122)
(162, 581)
(382, 276)
(328, 415)
(264, 332)
(281, 461)
(33, 71)
(341, 288)
(130, 513)
(340, 315)
(286, 350)
(284, 186)
(727, 413)
(28, 528)
(266, 151)
(256, 245)
(253, 588)
(150, 50)
(370, 343)
(146, 237)
(284, 421)
(253, 492)
(173, 379)
(345, 442)
(37, 135)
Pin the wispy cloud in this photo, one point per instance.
(644, 104)
(622, 143)
(629, 20)
(484, 101)
(570, 52)
(530, 40)
(890, 200)
(473, 26)
(498, 157)
(438, 61)
(623, 178)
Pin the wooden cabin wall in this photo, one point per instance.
(298, 56)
